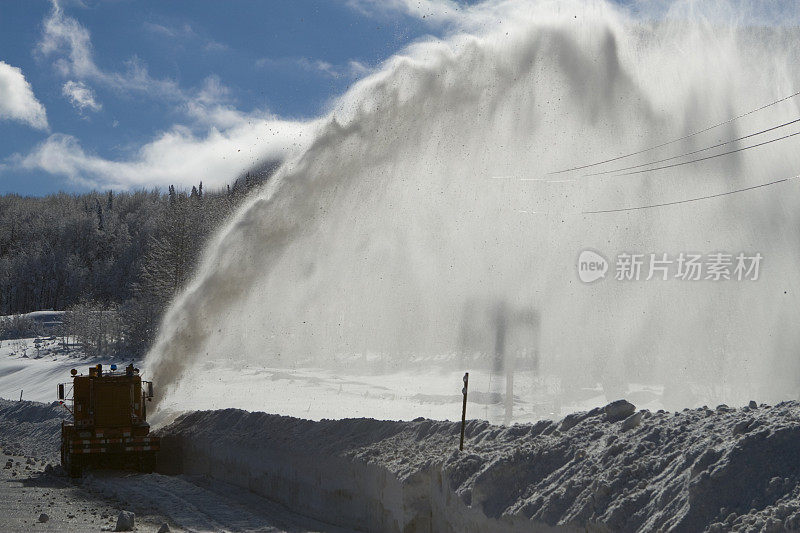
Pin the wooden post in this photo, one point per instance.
(20, 395)
(464, 410)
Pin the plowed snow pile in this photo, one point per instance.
(31, 428)
(607, 469)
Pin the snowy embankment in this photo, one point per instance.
(605, 470)
(31, 428)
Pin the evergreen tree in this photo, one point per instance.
(99, 215)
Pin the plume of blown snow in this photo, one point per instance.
(387, 233)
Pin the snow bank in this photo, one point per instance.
(32, 428)
(605, 469)
(609, 469)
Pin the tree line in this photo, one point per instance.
(112, 260)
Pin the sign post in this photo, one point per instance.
(464, 410)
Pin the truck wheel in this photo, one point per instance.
(147, 463)
(71, 465)
(74, 468)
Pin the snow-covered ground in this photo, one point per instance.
(33, 499)
(29, 436)
(200, 503)
(34, 366)
(30, 485)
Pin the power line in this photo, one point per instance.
(708, 157)
(709, 128)
(696, 151)
(686, 201)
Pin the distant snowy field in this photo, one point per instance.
(35, 366)
(316, 393)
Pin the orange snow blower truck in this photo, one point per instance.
(109, 421)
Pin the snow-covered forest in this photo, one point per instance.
(111, 260)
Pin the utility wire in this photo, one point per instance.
(686, 201)
(678, 139)
(708, 157)
(695, 151)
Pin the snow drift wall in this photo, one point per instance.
(328, 469)
(31, 428)
(610, 469)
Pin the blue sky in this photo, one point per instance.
(97, 94)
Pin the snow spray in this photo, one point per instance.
(426, 202)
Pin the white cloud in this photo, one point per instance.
(215, 46)
(184, 33)
(357, 69)
(352, 69)
(177, 156)
(69, 43)
(65, 39)
(17, 101)
(64, 35)
(80, 96)
(211, 106)
(212, 91)
(218, 143)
